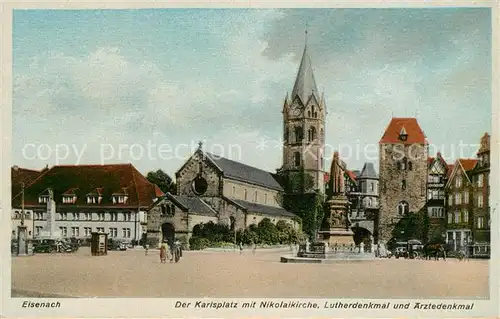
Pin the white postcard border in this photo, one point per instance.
(159, 307)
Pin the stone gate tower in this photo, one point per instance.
(402, 174)
(304, 114)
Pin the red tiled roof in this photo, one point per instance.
(20, 175)
(410, 125)
(450, 169)
(351, 174)
(86, 179)
(468, 163)
(430, 160)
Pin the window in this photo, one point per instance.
(450, 218)
(64, 231)
(298, 134)
(245, 195)
(459, 198)
(87, 231)
(372, 187)
(480, 222)
(436, 212)
(403, 208)
(43, 199)
(457, 217)
(38, 230)
(234, 190)
(69, 199)
(88, 216)
(126, 232)
(403, 184)
(113, 232)
(75, 231)
(311, 134)
(465, 216)
(100, 229)
(128, 216)
(120, 199)
(480, 200)
(63, 216)
(265, 199)
(114, 217)
(91, 199)
(450, 200)
(480, 180)
(398, 165)
(403, 164)
(296, 159)
(255, 196)
(458, 181)
(100, 216)
(410, 166)
(286, 134)
(466, 197)
(76, 216)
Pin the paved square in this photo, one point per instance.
(228, 274)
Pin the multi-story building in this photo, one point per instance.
(438, 172)
(22, 177)
(402, 174)
(89, 198)
(459, 221)
(481, 203)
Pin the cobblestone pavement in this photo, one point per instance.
(229, 274)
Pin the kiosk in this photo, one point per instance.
(99, 244)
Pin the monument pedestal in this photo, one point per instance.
(339, 233)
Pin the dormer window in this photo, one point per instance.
(69, 199)
(119, 199)
(43, 199)
(403, 136)
(93, 199)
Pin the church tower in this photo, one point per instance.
(304, 114)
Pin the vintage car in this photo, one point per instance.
(401, 252)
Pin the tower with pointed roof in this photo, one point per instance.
(304, 112)
(403, 158)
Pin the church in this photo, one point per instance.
(217, 189)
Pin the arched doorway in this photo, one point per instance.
(168, 232)
(362, 235)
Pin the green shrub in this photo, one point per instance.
(198, 243)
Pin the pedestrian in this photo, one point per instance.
(254, 248)
(241, 247)
(146, 248)
(163, 257)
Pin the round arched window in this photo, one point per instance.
(200, 185)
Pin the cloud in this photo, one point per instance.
(223, 75)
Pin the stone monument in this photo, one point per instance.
(337, 232)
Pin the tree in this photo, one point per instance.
(412, 226)
(162, 180)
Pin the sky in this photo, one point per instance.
(144, 86)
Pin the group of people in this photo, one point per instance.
(172, 251)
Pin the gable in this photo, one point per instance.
(408, 125)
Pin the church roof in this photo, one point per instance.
(409, 126)
(305, 84)
(193, 205)
(245, 173)
(263, 209)
(368, 171)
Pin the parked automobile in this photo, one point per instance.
(401, 252)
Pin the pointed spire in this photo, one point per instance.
(305, 83)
